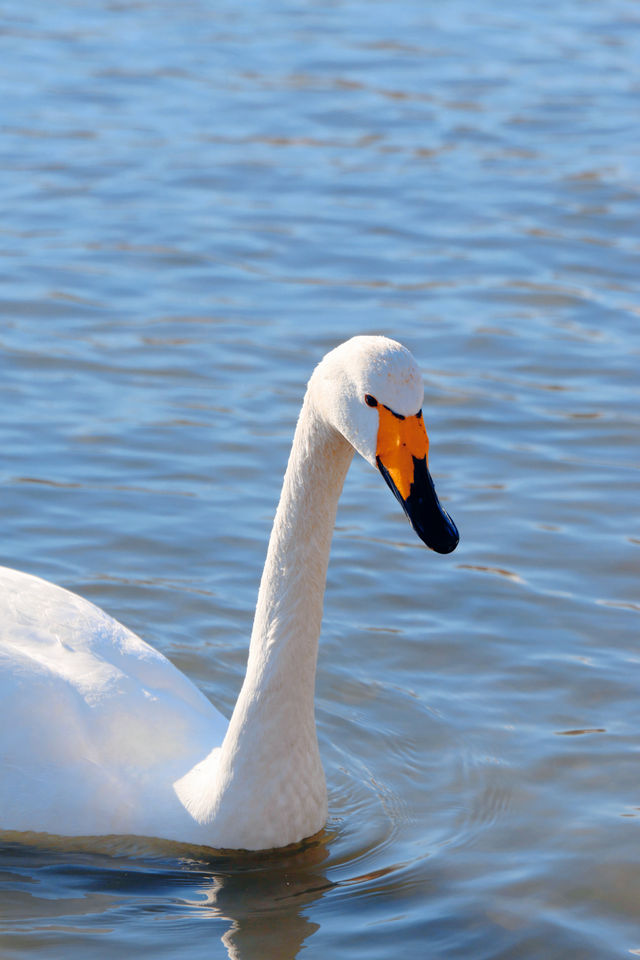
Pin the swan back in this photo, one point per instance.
(92, 715)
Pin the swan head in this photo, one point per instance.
(370, 389)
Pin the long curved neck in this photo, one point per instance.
(271, 783)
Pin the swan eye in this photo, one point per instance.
(370, 401)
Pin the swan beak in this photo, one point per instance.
(402, 456)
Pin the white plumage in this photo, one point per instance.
(100, 734)
(96, 724)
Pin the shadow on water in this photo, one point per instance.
(256, 902)
(264, 899)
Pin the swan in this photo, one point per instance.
(100, 734)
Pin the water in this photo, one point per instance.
(198, 201)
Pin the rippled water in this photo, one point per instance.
(198, 200)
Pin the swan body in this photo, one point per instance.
(100, 734)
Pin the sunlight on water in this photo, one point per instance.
(199, 200)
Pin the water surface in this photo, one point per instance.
(198, 201)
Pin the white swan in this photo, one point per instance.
(101, 734)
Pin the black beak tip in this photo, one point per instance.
(447, 546)
(444, 540)
(426, 514)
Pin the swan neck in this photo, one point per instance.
(271, 786)
(290, 601)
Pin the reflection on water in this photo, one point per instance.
(266, 904)
(257, 902)
(199, 200)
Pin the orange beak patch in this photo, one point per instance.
(400, 439)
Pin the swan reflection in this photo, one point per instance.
(264, 898)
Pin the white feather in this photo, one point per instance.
(101, 734)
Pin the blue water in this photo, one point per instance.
(198, 200)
